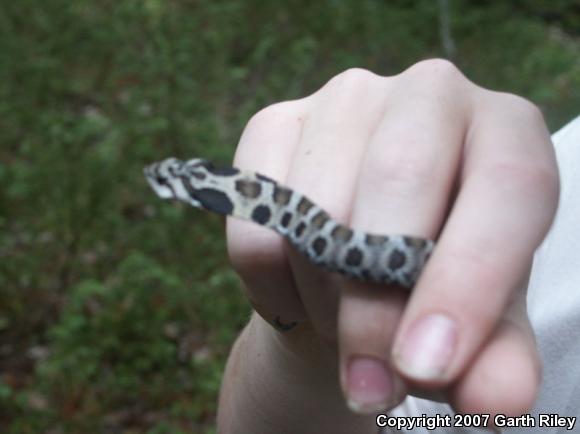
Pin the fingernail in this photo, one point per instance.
(427, 347)
(369, 385)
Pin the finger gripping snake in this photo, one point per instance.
(385, 259)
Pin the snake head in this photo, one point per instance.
(176, 179)
(161, 176)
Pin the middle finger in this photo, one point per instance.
(406, 179)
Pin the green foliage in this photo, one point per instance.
(520, 55)
(118, 328)
(134, 341)
(563, 13)
(117, 309)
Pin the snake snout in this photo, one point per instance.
(158, 181)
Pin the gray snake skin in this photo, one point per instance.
(392, 259)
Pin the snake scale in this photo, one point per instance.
(392, 259)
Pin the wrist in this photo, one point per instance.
(274, 382)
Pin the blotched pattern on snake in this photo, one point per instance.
(386, 259)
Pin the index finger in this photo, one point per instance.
(507, 199)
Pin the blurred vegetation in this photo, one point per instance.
(117, 310)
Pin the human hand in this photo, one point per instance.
(425, 153)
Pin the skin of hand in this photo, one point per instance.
(426, 153)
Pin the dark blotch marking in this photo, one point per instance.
(304, 206)
(375, 240)
(161, 180)
(366, 274)
(152, 171)
(319, 220)
(261, 214)
(249, 189)
(282, 195)
(210, 199)
(396, 260)
(285, 221)
(415, 242)
(353, 257)
(299, 229)
(341, 233)
(198, 175)
(264, 178)
(319, 245)
(279, 325)
(221, 171)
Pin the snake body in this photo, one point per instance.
(392, 259)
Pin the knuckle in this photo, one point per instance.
(522, 106)
(352, 79)
(436, 70)
(438, 78)
(356, 75)
(277, 112)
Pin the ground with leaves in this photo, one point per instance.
(117, 310)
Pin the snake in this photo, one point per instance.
(325, 242)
